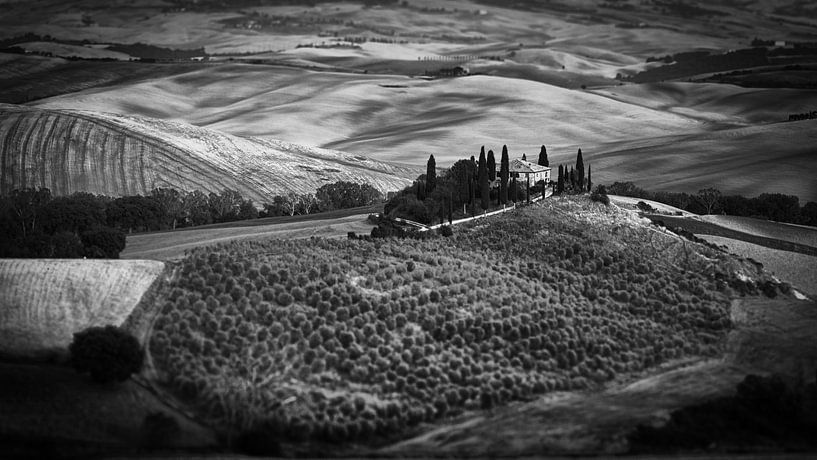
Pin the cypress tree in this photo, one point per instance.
(504, 173)
(560, 181)
(589, 182)
(514, 193)
(431, 175)
(572, 179)
(491, 166)
(482, 178)
(580, 171)
(524, 157)
(472, 191)
(450, 209)
(543, 157)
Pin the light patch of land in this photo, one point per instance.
(787, 232)
(391, 118)
(43, 302)
(69, 51)
(70, 150)
(631, 203)
(172, 245)
(798, 269)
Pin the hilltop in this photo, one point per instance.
(74, 150)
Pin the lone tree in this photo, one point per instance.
(580, 171)
(504, 175)
(431, 175)
(709, 198)
(108, 353)
(543, 157)
(589, 181)
(524, 157)
(482, 182)
(491, 166)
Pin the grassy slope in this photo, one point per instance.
(173, 245)
(45, 301)
(786, 232)
(532, 265)
(114, 155)
(798, 269)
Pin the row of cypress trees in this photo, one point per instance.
(574, 180)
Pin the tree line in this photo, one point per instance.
(770, 206)
(470, 186)
(33, 223)
(803, 116)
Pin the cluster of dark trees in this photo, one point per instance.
(770, 206)
(329, 197)
(803, 116)
(33, 223)
(574, 180)
(465, 186)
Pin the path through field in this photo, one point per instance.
(172, 245)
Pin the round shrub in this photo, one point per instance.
(108, 353)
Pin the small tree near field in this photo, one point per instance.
(709, 197)
(107, 353)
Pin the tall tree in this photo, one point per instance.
(482, 181)
(491, 166)
(504, 175)
(589, 180)
(709, 197)
(560, 181)
(431, 175)
(543, 157)
(514, 191)
(572, 179)
(580, 171)
(524, 157)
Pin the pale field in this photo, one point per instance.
(786, 232)
(799, 270)
(631, 204)
(43, 302)
(63, 50)
(681, 141)
(104, 153)
(172, 245)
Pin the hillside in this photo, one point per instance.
(352, 341)
(43, 302)
(68, 151)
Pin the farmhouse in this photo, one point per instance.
(531, 172)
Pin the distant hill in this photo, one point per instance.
(69, 151)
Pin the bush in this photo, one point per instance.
(599, 195)
(103, 242)
(108, 353)
(446, 231)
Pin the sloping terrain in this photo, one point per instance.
(70, 151)
(44, 302)
(800, 234)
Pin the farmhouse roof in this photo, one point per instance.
(525, 167)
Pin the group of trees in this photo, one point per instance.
(468, 185)
(33, 223)
(772, 206)
(329, 197)
(803, 116)
(574, 180)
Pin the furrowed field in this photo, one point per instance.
(345, 340)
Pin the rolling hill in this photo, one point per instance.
(103, 153)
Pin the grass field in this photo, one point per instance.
(798, 269)
(173, 245)
(69, 150)
(787, 232)
(43, 302)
